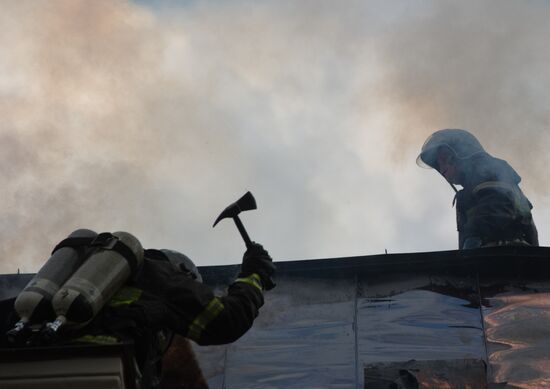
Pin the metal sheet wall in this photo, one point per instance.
(321, 331)
(329, 319)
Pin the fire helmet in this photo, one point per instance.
(460, 142)
(181, 262)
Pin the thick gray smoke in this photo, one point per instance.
(483, 67)
(151, 117)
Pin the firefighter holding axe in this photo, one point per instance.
(140, 295)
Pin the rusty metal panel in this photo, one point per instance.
(446, 374)
(329, 319)
(517, 321)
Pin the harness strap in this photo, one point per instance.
(105, 241)
(108, 241)
(74, 242)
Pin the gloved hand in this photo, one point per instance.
(257, 260)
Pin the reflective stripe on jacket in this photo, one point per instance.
(163, 299)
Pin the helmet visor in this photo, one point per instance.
(426, 163)
(427, 158)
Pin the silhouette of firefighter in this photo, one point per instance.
(171, 298)
(105, 288)
(491, 209)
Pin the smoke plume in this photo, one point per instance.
(151, 117)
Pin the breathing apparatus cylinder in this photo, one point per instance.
(116, 258)
(34, 302)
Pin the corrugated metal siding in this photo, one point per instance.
(329, 319)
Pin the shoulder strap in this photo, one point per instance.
(74, 242)
(105, 241)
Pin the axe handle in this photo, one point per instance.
(269, 283)
(243, 232)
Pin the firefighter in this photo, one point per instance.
(163, 300)
(168, 297)
(491, 209)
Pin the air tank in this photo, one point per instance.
(106, 270)
(33, 304)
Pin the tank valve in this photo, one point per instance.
(19, 333)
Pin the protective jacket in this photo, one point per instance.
(491, 208)
(161, 298)
(161, 302)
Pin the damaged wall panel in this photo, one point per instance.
(448, 374)
(347, 322)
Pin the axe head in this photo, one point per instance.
(245, 203)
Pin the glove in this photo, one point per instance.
(257, 260)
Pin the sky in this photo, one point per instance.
(152, 116)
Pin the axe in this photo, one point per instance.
(245, 203)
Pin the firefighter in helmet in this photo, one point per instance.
(168, 298)
(491, 209)
(159, 297)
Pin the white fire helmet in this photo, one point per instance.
(460, 142)
(182, 263)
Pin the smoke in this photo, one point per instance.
(481, 67)
(151, 117)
